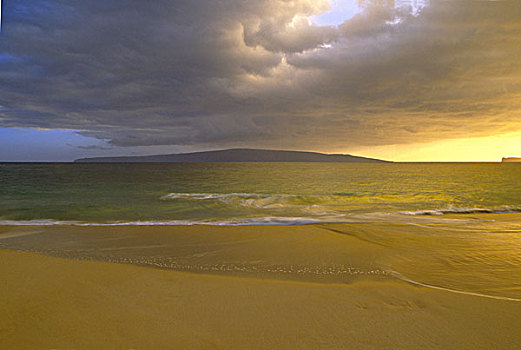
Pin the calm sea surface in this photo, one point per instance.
(252, 193)
(455, 227)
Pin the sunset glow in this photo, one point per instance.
(478, 149)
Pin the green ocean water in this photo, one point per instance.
(256, 193)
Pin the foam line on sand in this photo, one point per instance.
(416, 283)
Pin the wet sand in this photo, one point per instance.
(312, 253)
(230, 288)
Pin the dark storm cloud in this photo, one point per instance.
(258, 73)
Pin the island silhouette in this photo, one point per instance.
(236, 155)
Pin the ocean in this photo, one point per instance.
(252, 193)
(450, 226)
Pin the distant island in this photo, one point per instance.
(235, 155)
(511, 160)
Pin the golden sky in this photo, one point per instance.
(478, 149)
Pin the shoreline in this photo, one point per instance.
(430, 216)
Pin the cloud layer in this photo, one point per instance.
(258, 73)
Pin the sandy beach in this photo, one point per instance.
(260, 174)
(58, 302)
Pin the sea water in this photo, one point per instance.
(252, 193)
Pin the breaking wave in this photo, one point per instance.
(256, 200)
(499, 210)
(232, 222)
(203, 196)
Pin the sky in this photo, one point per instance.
(437, 81)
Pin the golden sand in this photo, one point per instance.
(59, 303)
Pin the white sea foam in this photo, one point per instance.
(317, 215)
(232, 222)
(256, 200)
(203, 196)
(450, 290)
(39, 222)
